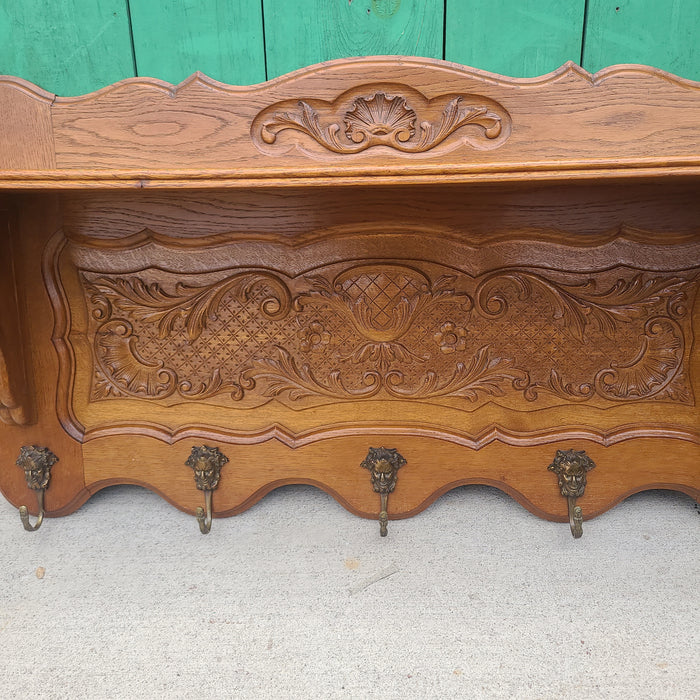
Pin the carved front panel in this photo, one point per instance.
(391, 330)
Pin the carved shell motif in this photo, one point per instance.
(383, 119)
(380, 116)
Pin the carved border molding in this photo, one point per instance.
(565, 72)
(393, 115)
(475, 441)
(658, 303)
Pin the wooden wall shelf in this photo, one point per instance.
(485, 276)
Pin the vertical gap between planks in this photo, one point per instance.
(262, 17)
(583, 32)
(131, 38)
(444, 31)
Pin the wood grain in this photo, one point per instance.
(514, 37)
(624, 122)
(14, 400)
(36, 216)
(173, 39)
(26, 137)
(399, 324)
(433, 468)
(322, 273)
(663, 34)
(302, 33)
(68, 47)
(577, 214)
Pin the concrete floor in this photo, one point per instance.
(296, 598)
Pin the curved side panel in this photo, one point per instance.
(37, 218)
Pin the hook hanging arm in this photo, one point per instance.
(24, 513)
(575, 518)
(204, 514)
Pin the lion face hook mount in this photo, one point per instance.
(571, 467)
(383, 464)
(206, 462)
(37, 463)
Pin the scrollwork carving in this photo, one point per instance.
(194, 304)
(383, 116)
(652, 370)
(393, 330)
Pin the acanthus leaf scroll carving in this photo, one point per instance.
(395, 116)
(392, 330)
(124, 371)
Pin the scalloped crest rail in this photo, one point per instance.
(385, 277)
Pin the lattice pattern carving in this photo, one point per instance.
(394, 331)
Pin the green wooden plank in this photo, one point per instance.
(175, 38)
(68, 47)
(520, 38)
(665, 34)
(308, 31)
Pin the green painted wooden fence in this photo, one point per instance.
(75, 46)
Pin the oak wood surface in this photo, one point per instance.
(623, 122)
(75, 46)
(14, 399)
(476, 327)
(36, 218)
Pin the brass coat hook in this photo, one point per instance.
(571, 467)
(383, 464)
(206, 462)
(37, 463)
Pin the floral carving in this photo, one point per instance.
(581, 307)
(392, 330)
(382, 119)
(193, 304)
(451, 338)
(313, 337)
(484, 374)
(124, 371)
